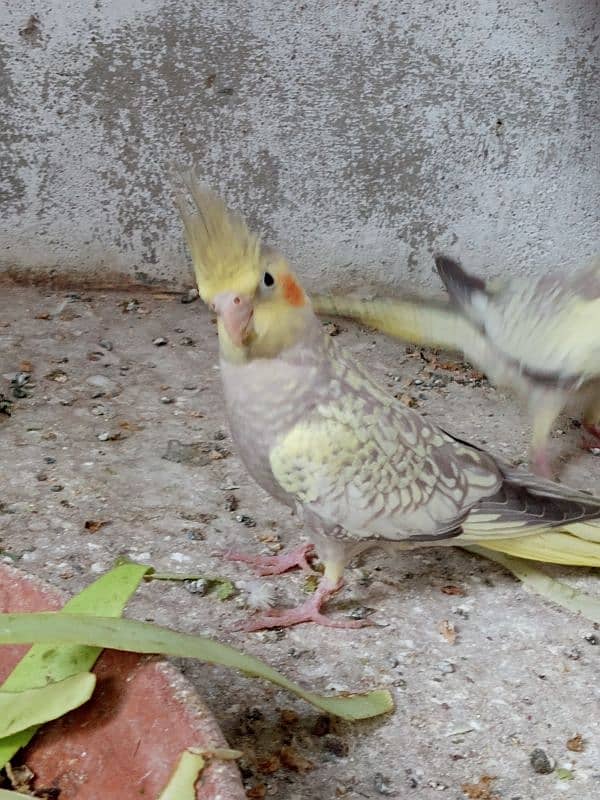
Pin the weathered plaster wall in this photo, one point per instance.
(359, 135)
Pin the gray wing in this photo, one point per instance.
(362, 461)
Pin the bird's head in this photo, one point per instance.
(261, 307)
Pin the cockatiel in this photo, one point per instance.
(539, 337)
(317, 433)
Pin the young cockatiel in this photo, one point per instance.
(539, 337)
(316, 432)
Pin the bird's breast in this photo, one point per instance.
(264, 400)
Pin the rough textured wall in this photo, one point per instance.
(360, 136)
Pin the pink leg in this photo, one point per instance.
(276, 565)
(593, 441)
(309, 611)
(540, 463)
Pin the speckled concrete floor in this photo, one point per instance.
(86, 446)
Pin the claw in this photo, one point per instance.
(309, 611)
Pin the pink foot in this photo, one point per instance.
(591, 442)
(276, 565)
(309, 611)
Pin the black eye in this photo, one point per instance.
(268, 279)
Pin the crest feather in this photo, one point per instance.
(225, 253)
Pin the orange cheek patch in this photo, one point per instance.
(291, 291)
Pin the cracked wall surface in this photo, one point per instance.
(359, 136)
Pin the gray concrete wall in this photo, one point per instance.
(360, 136)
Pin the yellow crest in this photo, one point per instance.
(225, 253)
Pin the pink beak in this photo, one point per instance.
(236, 312)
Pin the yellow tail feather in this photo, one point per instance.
(575, 545)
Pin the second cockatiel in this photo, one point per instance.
(318, 433)
(539, 337)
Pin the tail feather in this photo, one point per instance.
(534, 580)
(576, 545)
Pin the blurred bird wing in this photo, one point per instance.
(547, 328)
(553, 337)
(414, 320)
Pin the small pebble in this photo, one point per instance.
(591, 638)
(180, 558)
(56, 487)
(194, 534)
(6, 405)
(461, 611)
(190, 387)
(273, 636)
(382, 785)
(20, 385)
(187, 342)
(41, 476)
(189, 296)
(447, 667)
(106, 436)
(199, 586)
(160, 341)
(166, 400)
(363, 577)
(58, 375)
(336, 746)
(102, 386)
(540, 762)
(105, 344)
(231, 502)
(50, 460)
(245, 520)
(322, 725)
(360, 612)
(331, 328)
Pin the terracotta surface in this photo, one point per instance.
(126, 740)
